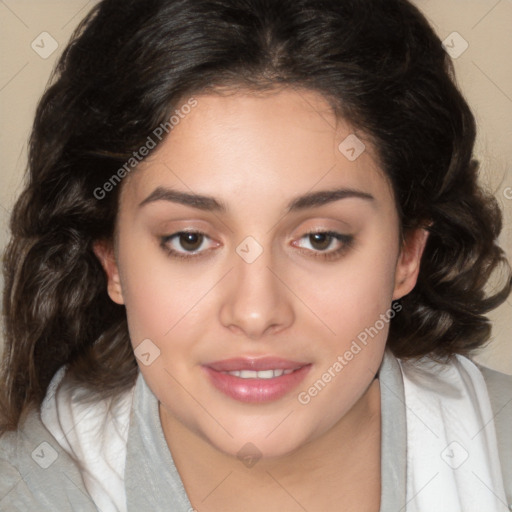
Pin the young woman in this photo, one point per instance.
(249, 269)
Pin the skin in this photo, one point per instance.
(256, 153)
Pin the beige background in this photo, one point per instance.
(484, 72)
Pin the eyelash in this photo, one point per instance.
(346, 240)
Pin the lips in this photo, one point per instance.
(256, 380)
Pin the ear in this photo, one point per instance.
(408, 264)
(104, 251)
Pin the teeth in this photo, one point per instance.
(262, 374)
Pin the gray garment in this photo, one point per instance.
(151, 480)
(499, 387)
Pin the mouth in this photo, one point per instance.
(256, 380)
(262, 374)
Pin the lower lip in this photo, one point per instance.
(256, 390)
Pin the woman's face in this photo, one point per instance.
(250, 288)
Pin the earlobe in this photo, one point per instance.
(409, 260)
(104, 251)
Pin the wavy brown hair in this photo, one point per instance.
(127, 67)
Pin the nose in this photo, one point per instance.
(256, 301)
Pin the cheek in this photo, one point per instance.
(352, 294)
(160, 297)
(355, 302)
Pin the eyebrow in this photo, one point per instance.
(209, 203)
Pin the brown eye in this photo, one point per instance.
(320, 241)
(185, 244)
(190, 241)
(328, 245)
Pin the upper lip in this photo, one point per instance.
(256, 364)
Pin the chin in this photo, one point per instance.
(266, 442)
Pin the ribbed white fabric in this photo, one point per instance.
(452, 454)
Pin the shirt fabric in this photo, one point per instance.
(38, 470)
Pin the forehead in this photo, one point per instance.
(279, 142)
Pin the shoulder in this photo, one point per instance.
(499, 388)
(37, 474)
